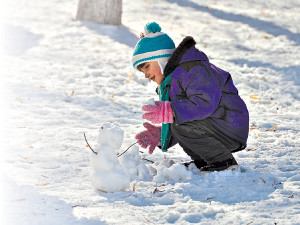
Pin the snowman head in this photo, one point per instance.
(111, 135)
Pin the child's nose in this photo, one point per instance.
(147, 75)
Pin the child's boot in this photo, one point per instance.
(228, 164)
(199, 163)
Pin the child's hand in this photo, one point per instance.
(161, 113)
(149, 137)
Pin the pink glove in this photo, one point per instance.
(161, 113)
(149, 137)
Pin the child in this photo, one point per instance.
(199, 105)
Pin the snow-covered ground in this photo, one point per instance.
(61, 78)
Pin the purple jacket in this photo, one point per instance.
(200, 90)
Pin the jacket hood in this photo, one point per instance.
(185, 52)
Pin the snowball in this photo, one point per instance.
(174, 173)
(150, 101)
(166, 163)
(133, 165)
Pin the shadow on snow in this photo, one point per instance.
(25, 205)
(258, 24)
(17, 40)
(119, 33)
(290, 73)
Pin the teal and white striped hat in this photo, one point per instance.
(154, 46)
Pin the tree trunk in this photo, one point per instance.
(100, 11)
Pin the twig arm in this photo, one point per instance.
(127, 149)
(89, 145)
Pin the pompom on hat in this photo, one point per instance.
(154, 46)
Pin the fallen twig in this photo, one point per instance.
(156, 191)
(146, 219)
(89, 145)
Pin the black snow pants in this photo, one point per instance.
(201, 140)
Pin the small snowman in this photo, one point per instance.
(108, 174)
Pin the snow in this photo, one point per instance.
(176, 172)
(61, 78)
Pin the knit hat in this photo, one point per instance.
(154, 46)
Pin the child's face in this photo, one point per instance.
(152, 72)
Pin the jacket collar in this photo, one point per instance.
(177, 55)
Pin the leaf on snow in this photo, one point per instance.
(253, 127)
(266, 36)
(24, 158)
(19, 200)
(98, 41)
(264, 13)
(273, 128)
(41, 185)
(156, 190)
(263, 180)
(19, 99)
(73, 92)
(258, 135)
(255, 98)
(148, 221)
(205, 44)
(130, 77)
